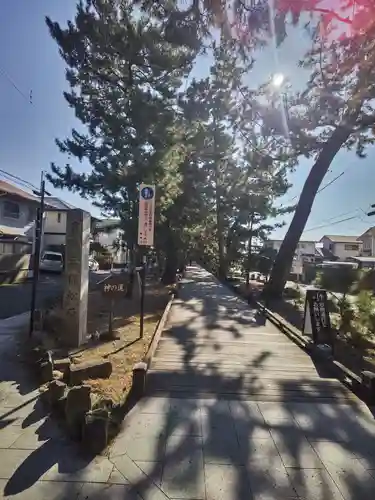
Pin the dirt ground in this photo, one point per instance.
(127, 348)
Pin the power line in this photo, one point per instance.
(28, 98)
(332, 223)
(15, 178)
(319, 190)
(343, 214)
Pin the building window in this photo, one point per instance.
(11, 210)
(58, 217)
(351, 246)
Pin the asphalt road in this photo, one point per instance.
(16, 299)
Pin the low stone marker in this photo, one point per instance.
(62, 365)
(95, 430)
(139, 379)
(96, 368)
(56, 390)
(46, 371)
(78, 403)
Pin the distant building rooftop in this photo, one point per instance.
(337, 238)
(58, 204)
(7, 187)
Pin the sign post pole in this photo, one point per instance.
(110, 322)
(146, 224)
(142, 273)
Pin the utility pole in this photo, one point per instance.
(38, 243)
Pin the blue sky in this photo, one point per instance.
(27, 132)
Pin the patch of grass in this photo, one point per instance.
(127, 348)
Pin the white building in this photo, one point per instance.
(342, 247)
(55, 221)
(305, 248)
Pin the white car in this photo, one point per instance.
(93, 264)
(52, 262)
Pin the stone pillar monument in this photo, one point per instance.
(78, 229)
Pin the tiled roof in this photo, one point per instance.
(58, 204)
(6, 187)
(337, 238)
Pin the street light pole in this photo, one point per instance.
(38, 243)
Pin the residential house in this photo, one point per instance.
(54, 234)
(305, 252)
(305, 248)
(342, 247)
(368, 242)
(18, 210)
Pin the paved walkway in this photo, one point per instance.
(235, 412)
(215, 345)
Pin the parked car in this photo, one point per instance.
(93, 264)
(52, 262)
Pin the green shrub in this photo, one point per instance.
(366, 280)
(365, 314)
(337, 280)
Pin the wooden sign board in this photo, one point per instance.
(316, 321)
(115, 286)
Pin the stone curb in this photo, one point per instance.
(157, 334)
(140, 369)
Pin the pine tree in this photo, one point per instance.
(124, 76)
(335, 111)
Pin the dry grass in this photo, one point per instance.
(128, 348)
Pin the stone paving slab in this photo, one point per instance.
(199, 447)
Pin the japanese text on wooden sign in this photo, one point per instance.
(115, 286)
(317, 320)
(146, 218)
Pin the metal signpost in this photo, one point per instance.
(146, 224)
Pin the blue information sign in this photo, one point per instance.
(147, 193)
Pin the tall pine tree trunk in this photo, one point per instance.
(221, 245)
(171, 261)
(284, 258)
(249, 252)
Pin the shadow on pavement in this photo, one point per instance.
(230, 436)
